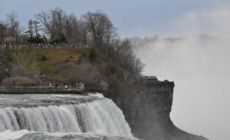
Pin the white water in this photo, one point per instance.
(32, 135)
(99, 117)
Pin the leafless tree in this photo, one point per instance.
(70, 27)
(121, 52)
(21, 81)
(3, 32)
(36, 27)
(31, 28)
(86, 73)
(13, 23)
(34, 63)
(22, 59)
(99, 25)
(53, 21)
(48, 23)
(58, 16)
(14, 28)
(83, 32)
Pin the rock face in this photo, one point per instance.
(148, 112)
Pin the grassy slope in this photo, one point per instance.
(53, 55)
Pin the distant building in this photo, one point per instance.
(10, 41)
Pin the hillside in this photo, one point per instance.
(46, 59)
(69, 65)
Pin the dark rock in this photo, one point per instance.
(148, 112)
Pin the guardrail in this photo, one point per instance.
(77, 88)
(43, 46)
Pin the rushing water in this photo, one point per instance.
(72, 117)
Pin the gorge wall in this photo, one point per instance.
(148, 112)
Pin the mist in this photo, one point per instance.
(198, 61)
(200, 67)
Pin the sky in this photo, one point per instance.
(200, 69)
(131, 17)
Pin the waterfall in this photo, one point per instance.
(98, 116)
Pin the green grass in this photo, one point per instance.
(53, 55)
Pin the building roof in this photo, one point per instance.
(9, 39)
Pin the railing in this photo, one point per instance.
(44, 46)
(77, 88)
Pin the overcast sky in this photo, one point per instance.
(131, 17)
(201, 71)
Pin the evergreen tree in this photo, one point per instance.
(30, 26)
(92, 54)
(37, 39)
(114, 87)
(62, 38)
(36, 27)
(31, 40)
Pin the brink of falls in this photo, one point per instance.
(77, 117)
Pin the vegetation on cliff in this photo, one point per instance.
(108, 63)
(61, 65)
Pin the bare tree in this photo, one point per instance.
(86, 73)
(21, 81)
(3, 32)
(128, 59)
(58, 16)
(14, 28)
(22, 59)
(36, 27)
(83, 32)
(53, 21)
(70, 26)
(31, 28)
(13, 23)
(34, 63)
(48, 23)
(99, 25)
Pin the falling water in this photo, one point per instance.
(101, 117)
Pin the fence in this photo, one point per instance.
(77, 88)
(44, 46)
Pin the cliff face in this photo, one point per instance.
(148, 112)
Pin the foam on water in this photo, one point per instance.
(99, 95)
(32, 135)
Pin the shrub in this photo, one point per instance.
(44, 58)
(71, 73)
(113, 69)
(92, 54)
(114, 87)
(62, 38)
(18, 81)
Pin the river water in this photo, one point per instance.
(61, 117)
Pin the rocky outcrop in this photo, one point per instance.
(148, 112)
